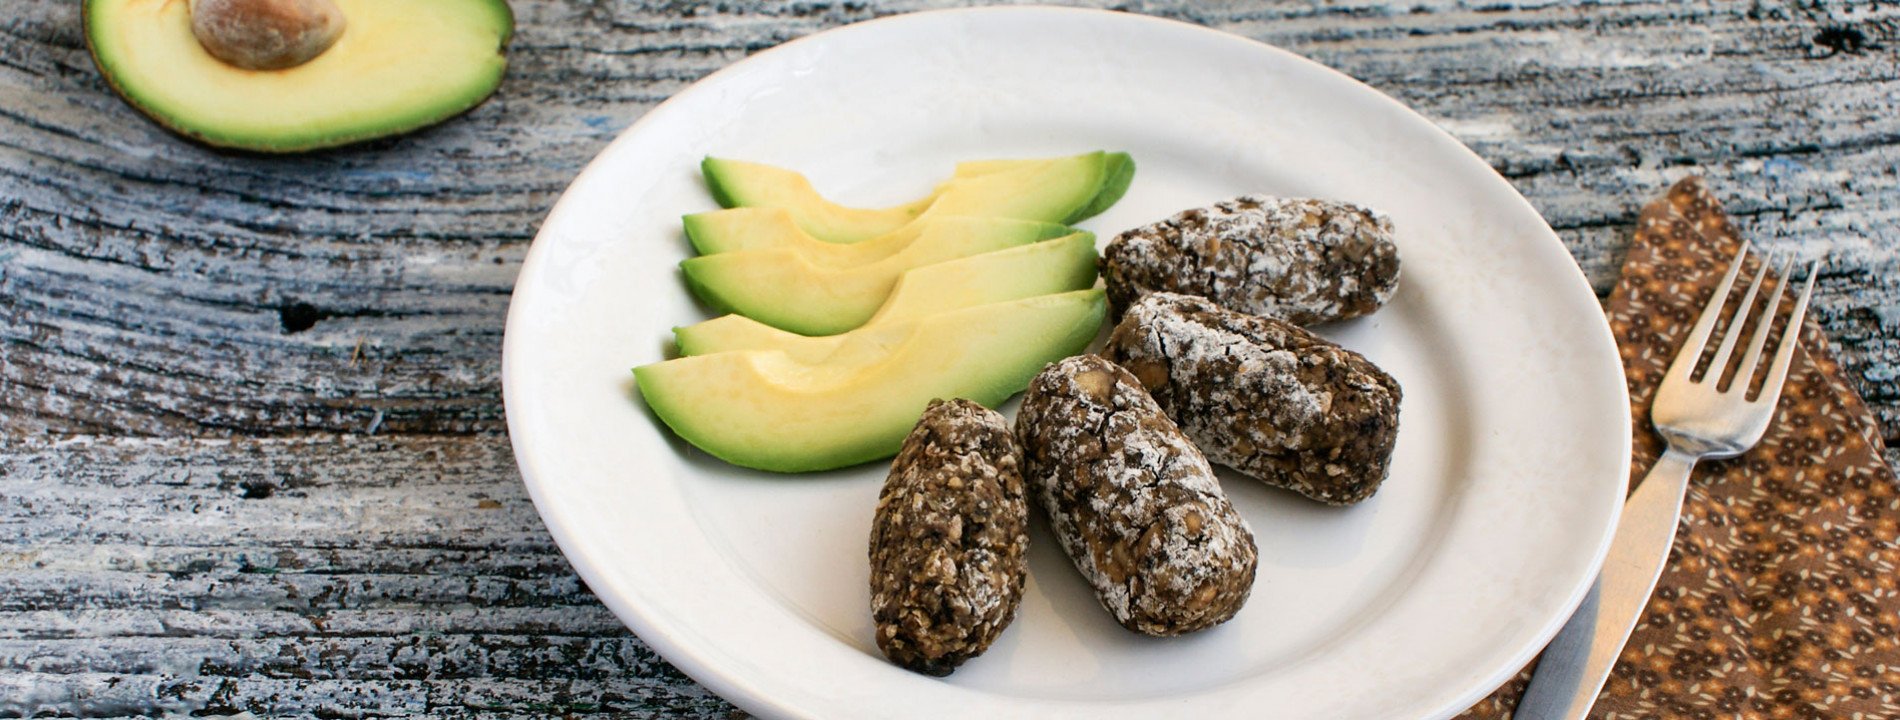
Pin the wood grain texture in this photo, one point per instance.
(194, 344)
(153, 287)
(328, 575)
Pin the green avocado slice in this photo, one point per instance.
(1044, 268)
(396, 67)
(763, 409)
(1064, 190)
(781, 288)
(750, 228)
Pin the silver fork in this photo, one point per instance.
(1699, 417)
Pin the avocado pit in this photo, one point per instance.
(266, 34)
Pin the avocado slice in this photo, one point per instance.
(1048, 267)
(781, 288)
(973, 168)
(396, 67)
(1118, 174)
(1065, 190)
(734, 182)
(750, 228)
(763, 409)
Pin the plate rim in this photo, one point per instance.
(701, 668)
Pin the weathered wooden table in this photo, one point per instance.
(253, 454)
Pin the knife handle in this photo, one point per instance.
(1577, 662)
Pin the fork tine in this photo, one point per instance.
(1733, 332)
(1784, 353)
(1745, 372)
(1685, 362)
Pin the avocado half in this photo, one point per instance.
(398, 66)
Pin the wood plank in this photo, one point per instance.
(153, 287)
(114, 694)
(336, 576)
(385, 657)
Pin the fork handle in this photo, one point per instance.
(1578, 661)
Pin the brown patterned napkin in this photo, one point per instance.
(1781, 597)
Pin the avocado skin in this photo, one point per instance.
(1118, 172)
(265, 148)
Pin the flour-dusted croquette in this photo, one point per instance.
(1133, 503)
(1264, 397)
(949, 541)
(1299, 260)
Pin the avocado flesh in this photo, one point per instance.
(779, 287)
(750, 228)
(763, 409)
(1056, 191)
(1064, 190)
(736, 183)
(1044, 268)
(974, 168)
(1119, 172)
(398, 66)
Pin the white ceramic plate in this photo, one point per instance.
(1509, 470)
